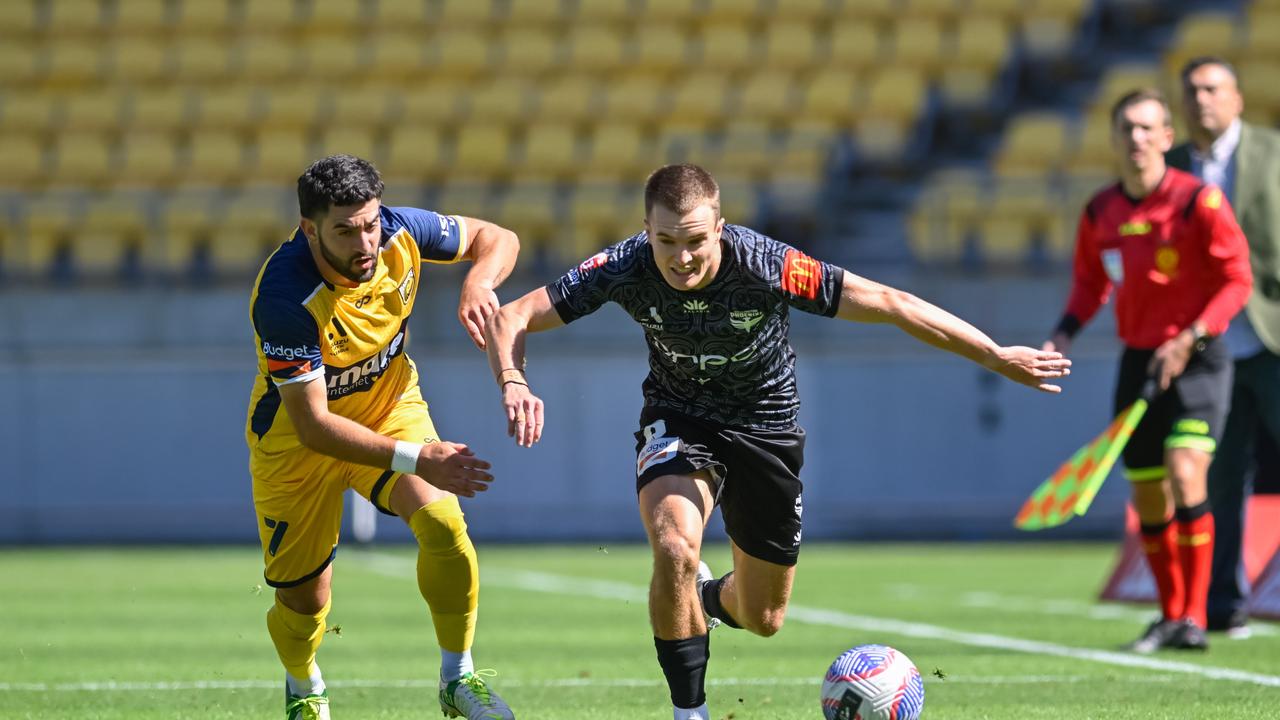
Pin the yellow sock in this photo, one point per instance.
(296, 637)
(448, 574)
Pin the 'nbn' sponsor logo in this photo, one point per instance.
(362, 375)
(280, 352)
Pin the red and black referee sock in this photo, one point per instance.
(1194, 537)
(1159, 542)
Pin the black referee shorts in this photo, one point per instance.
(756, 475)
(1191, 413)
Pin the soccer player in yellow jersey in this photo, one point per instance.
(336, 405)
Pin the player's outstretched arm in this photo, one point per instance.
(863, 300)
(505, 333)
(492, 249)
(450, 466)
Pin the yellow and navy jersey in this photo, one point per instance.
(352, 338)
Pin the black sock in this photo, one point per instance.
(684, 662)
(711, 603)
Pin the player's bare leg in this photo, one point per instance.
(756, 593)
(297, 623)
(675, 509)
(449, 580)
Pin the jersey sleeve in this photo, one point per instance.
(806, 284)
(290, 340)
(1228, 259)
(440, 238)
(1090, 285)
(585, 288)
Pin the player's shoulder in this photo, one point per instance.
(1104, 199)
(1188, 191)
(414, 219)
(289, 276)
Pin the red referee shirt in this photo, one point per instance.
(1174, 257)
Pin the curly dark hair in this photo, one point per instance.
(337, 180)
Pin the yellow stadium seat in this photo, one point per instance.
(1122, 78)
(437, 101)
(1093, 154)
(268, 16)
(160, 109)
(364, 106)
(398, 56)
(604, 10)
(966, 87)
(820, 10)
(227, 108)
(550, 151)
(895, 94)
(414, 154)
(544, 12)
(18, 19)
(804, 152)
(24, 160)
(467, 198)
(93, 110)
(736, 10)
(881, 139)
(726, 46)
(279, 156)
(456, 13)
(19, 61)
(213, 158)
(138, 60)
(700, 97)
(866, 9)
(360, 142)
(1257, 83)
(202, 16)
(146, 159)
(660, 48)
(934, 9)
(594, 48)
(1034, 144)
(1047, 36)
(788, 46)
(747, 149)
(501, 100)
(681, 142)
(82, 158)
(140, 17)
(28, 111)
(947, 212)
(530, 208)
(1209, 33)
(252, 224)
(73, 17)
(293, 107)
(1007, 10)
(768, 95)
(598, 220)
(201, 59)
(48, 224)
(918, 44)
(616, 150)
(568, 99)
(633, 98)
(738, 198)
(528, 51)
(482, 150)
(402, 15)
(74, 64)
(458, 54)
(678, 11)
(336, 16)
(1019, 212)
(833, 95)
(114, 225)
(186, 224)
(982, 43)
(322, 57)
(266, 58)
(1263, 42)
(854, 44)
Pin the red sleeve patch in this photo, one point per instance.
(593, 262)
(801, 275)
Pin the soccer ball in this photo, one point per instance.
(872, 682)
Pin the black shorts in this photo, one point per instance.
(1191, 413)
(755, 475)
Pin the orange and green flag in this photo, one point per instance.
(1070, 490)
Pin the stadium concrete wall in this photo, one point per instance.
(124, 422)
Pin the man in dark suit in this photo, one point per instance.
(1243, 160)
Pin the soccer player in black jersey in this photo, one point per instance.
(719, 420)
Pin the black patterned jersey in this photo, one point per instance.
(721, 353)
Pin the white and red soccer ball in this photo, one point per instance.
(872, 682)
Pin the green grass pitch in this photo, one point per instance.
(144, 633)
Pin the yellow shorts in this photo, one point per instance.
(298, 496)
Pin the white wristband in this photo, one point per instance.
(405, 457)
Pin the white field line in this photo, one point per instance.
(1062, 607)
(186, 685)
(564, 585)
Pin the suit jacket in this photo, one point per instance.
(1256, 202)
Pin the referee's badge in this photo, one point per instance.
(1167, 260)
(1113, 263)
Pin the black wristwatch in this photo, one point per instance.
(1200, 339)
